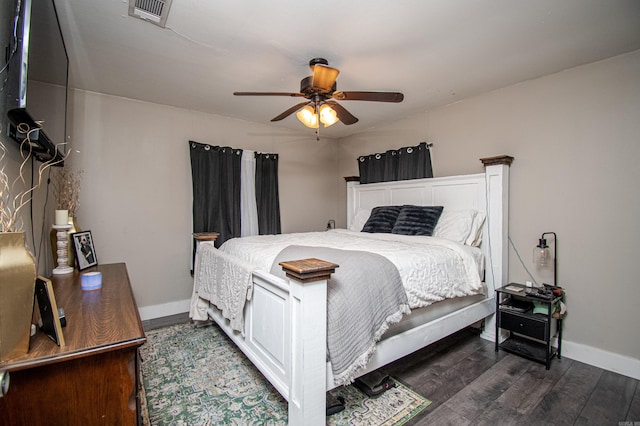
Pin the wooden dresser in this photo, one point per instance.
(92, 380)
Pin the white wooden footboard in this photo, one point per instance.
(286, 335)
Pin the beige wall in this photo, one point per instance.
(136, 190)
(575, 139)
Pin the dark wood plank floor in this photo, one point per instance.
(470, 384)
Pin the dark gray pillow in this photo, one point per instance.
(382, 219)
(417, 220)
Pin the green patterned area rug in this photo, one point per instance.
(196, 376)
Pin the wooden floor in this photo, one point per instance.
(470, 384)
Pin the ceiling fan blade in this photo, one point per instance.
(324, 77)
(345, 116)
(289, 111)
(369, 96)
(292, 94)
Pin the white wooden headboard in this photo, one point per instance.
(487, 192)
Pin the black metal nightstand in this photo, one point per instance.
(530, 331)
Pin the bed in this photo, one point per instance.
(278, 316)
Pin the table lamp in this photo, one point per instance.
(542, 254)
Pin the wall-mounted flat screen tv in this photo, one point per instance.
(35, 77)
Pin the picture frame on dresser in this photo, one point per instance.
(84, 250)
(49, 314)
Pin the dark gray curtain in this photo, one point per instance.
(215, 173)
(412, 162)
(267, 198)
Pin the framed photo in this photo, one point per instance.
(84, 250)
(49, 314)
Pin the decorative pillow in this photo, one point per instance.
(461, 226)
(417, 220)
(359, 219)
(382, 219)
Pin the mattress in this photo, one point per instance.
(431, 269)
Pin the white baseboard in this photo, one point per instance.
(164, 310)
(606, 360)
(600, 358)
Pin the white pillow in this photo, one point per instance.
(475, 235)
(359, 219)
(459, 225)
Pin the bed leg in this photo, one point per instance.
(308, 297)
(489, 329)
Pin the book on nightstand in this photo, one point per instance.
(515, 287)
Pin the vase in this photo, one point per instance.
(17, 285)
(54, 242)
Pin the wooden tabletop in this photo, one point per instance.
(206, 236)
(97, 321)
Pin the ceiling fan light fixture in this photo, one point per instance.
(308, 116)
(321, 93)
(328, 115)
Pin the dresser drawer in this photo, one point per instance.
(525, 325)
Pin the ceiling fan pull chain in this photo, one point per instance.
(317, 111)
(315, 107)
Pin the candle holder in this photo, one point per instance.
(62, 245)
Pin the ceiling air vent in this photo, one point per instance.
(154, 11)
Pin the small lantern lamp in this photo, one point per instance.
(542, 254)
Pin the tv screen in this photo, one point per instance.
(36, 77)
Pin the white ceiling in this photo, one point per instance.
(433, 51)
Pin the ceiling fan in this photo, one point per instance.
(320, 91)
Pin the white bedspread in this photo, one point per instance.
(224, 281)
(431, 269)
